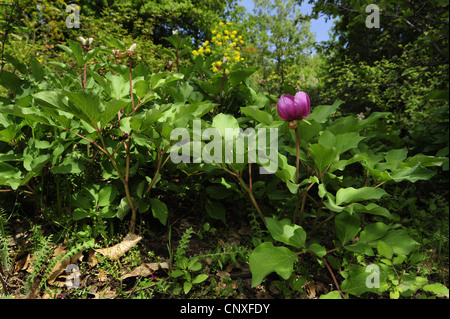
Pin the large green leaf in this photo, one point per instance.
(359, 280)
(286, 232)
(371, 208)
(224, 121)
(400, 241)
(347, 226)
(9, 80)
(373, 232)
(266, 258)
(350, 194)
(159, 210)
(87, 106)
(216, 210)
(323, 156)
(112, 108)
(320, 113)
(412, 174)
(342, 142)
(68, 166)
(30, 113)
(240, 75)
(76, 52)
(9, 175)
(261, 116)
(106, 195)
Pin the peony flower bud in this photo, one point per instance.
(292, 108)
(133, 47)
(82, 40)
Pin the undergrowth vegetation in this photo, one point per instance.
(174, 176)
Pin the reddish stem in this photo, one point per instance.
(334, 278)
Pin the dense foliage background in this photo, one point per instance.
(85, 137)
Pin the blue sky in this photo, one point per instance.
(319, 26)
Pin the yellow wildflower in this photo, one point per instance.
(226, 32)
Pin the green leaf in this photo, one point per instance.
(385, 249)
(350, 194)
(400, 241)
(240, 75)
(320, 251)
(260, 116)
(223, 121)
(106, 195)
(323, 156)
(331, 295)
(373, 232)
(76, 52)
(36, 70)
(159, 210)
(112, 109)
(347, 226)
(320, 113)
(286, 232)
(266, 258)
(347, 141)
(307, 132)
(8, 175)
(412, 174)
(436, 288)
(359, 281)
(159, 79)
(123, 208)
(9, 80)
(200, 278)
(187, 287)
(87, 106)
(68, 166)
(371, 208)
(119, 87)
(30, 113)
(216, 210)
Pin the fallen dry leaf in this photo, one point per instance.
(23, 263)
(143, 270)
(61, 266)
(117, 251)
